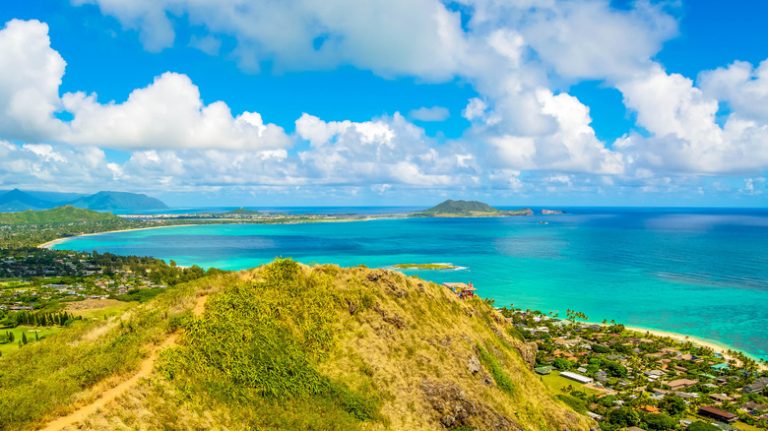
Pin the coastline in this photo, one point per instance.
(53, 242)
(345, 219)
(716, 346)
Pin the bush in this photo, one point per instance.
(497, 371)
(660, 422)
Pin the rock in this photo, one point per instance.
(528, 353)
(473, 365)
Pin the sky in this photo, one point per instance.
(398, 102)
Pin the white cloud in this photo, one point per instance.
(168, 113)
(742, 86)
(432, 113)
(386, 150)
(390, 37)
(685, 134)
(29, 83)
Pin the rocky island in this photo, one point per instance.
(451, 208)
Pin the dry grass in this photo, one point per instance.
(399, 340)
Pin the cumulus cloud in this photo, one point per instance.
(685, 135)
(740, 85)
(382, 151)
(168, 113)
(29, 84)
(417, 37)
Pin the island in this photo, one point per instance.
(425, 266)
(451, 208)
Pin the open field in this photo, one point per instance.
(42, 332)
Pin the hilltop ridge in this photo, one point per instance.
(291, 347)
(19, 200)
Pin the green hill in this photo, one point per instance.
(61, 215)
(288, 347)
(451, 208)
(119, 201)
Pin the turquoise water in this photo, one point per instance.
(701, 273)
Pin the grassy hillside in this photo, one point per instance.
(288, 347)
(60, 215)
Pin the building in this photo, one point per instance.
(681, 383)
(464, 290)
(757, 386)
(717, 414)
(576, 377)
(543, 370)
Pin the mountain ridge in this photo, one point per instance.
(19, 200)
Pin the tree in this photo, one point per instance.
(660, 421)
(562, 364)
(673, 405)
(574, 315)
(624, 416)
(24, 337)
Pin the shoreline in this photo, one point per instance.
(716, 346)
(51, 243)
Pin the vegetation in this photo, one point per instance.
(31, 228)
(292, 347)
(451, 208)
(640, 379)
(119, 201)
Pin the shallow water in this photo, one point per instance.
(697, 272)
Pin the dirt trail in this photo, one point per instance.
(145, 369)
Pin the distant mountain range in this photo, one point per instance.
(18, 200)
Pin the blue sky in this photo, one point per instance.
(594, 102)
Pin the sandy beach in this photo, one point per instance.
(714, 345)
(51, 243)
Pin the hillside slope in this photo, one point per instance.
(104, 201)
(60, 215)
(289, 347)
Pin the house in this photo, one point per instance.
(757, 386)
(543, 370)
(717, 414)
(464, 290)
(754, 408)
(577, 377)
(722, 398)
(681, 383)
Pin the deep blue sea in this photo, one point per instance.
(701, 272)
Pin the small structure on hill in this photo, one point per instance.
(463, 290)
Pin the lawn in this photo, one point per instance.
(42, 332)
(555, 383)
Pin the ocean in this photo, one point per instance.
(700, 272)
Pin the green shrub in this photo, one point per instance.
(497, 371)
